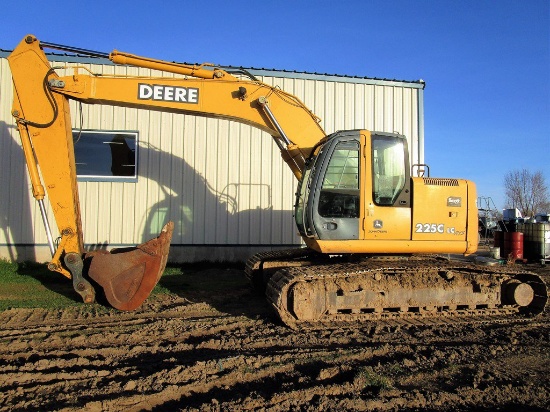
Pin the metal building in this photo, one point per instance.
(222, 183)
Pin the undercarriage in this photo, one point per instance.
(310, 290)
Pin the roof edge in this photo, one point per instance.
(415, 84)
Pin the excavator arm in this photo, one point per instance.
(41, 110)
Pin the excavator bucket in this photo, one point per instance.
(128, 276)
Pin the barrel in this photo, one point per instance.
(513, 245)
(498, 239)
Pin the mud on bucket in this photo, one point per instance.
(128, 276)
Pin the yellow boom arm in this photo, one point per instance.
(42, 114)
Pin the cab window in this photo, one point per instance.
(340, 189)
(388, 163)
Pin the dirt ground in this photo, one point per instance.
(223, 350)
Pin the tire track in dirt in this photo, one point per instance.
(192, 353)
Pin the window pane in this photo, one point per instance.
(105, 155)
(339, 196)
(343, 169)
(388, 162)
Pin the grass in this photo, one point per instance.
(195, 277)
(32, 285)
(369, 380)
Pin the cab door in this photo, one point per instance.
(334, 205)
(386, 188)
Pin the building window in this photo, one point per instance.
(105, 155)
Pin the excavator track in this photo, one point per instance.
(261, 266)
(416, 291)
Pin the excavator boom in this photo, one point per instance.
(41, 110)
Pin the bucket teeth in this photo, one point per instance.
(128, 276)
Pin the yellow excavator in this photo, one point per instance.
(371, 229)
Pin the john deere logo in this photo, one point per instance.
(378, 224)
(168, 93)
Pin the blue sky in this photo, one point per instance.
(486, 63)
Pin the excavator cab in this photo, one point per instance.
(355, 196)
(336, 192)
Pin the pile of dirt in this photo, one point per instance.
(224, 351)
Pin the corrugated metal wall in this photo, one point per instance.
(222, 182)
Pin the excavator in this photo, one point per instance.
(377, 239)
